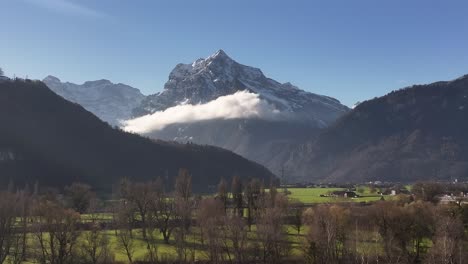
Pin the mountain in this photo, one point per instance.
(207, 79)
(48, 139)
(417, 133)
(108, 101)
(265, 140)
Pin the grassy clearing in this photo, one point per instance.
(312, 195)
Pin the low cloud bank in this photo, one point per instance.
(239, 105)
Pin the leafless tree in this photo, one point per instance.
(95, 244)
(79, 196)
(296, 210)
(235, 238)
(447, 242)
(164, 211)
(237, 196)
(183, 214)
(7, 224)
(123, 219)
(210, 220)
(22, 203)
(183, 185)
(223, 193)
(253, 190)
(55, 232)
(271, 232)
(140, 195)
(327, 234)
(421, 226)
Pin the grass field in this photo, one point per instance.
(312, 195)
(168, 251)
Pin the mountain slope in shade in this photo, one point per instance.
(47, 139)
(417, 133)
(108, 101)
(268, 142)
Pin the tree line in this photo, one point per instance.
(244, 222)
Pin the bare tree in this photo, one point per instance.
(22, 203)
(427, 191)
(422, 225)
(223, 193)
(7, 223)
(123, 218)
(79, 196)
(140, 195)
(271, 232)
(235, 238)
(183, 185)
(183, 214)
(210, 219)
(55, 232)
(326, 238)
(447, 242)
(236, 190)
(252, 194)
(164, 211)
(296, 211)
(95, 244)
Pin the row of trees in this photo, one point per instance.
(242, 223)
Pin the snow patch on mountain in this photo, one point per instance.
(241, 104)
(108, 101)
(218, 75)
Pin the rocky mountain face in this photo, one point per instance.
(268, 142)
(417, 133)
(54, 142)
(108, 101)
(207, 79)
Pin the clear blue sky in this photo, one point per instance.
(351, 49)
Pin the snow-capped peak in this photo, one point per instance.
(218, 75)
(219, 55)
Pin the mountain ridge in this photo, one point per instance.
(55, 142)
(268, 142)
(111, 102)
(415, 133)
(217, 75)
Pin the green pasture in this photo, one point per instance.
(312, 195)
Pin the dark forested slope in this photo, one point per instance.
(417, 133)
(47, 139)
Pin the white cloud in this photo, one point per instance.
(67, 7)
(239, 105)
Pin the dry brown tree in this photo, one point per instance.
(210, 218)
(271, 232)
(123, 224)
(448, 240)
(223, 193)
(79, 196)
(7, 224)
(183, 203)
(94, 242)
(237, 195)
(55, 232)
(235, 241)
(326, 240)
(23, 204)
